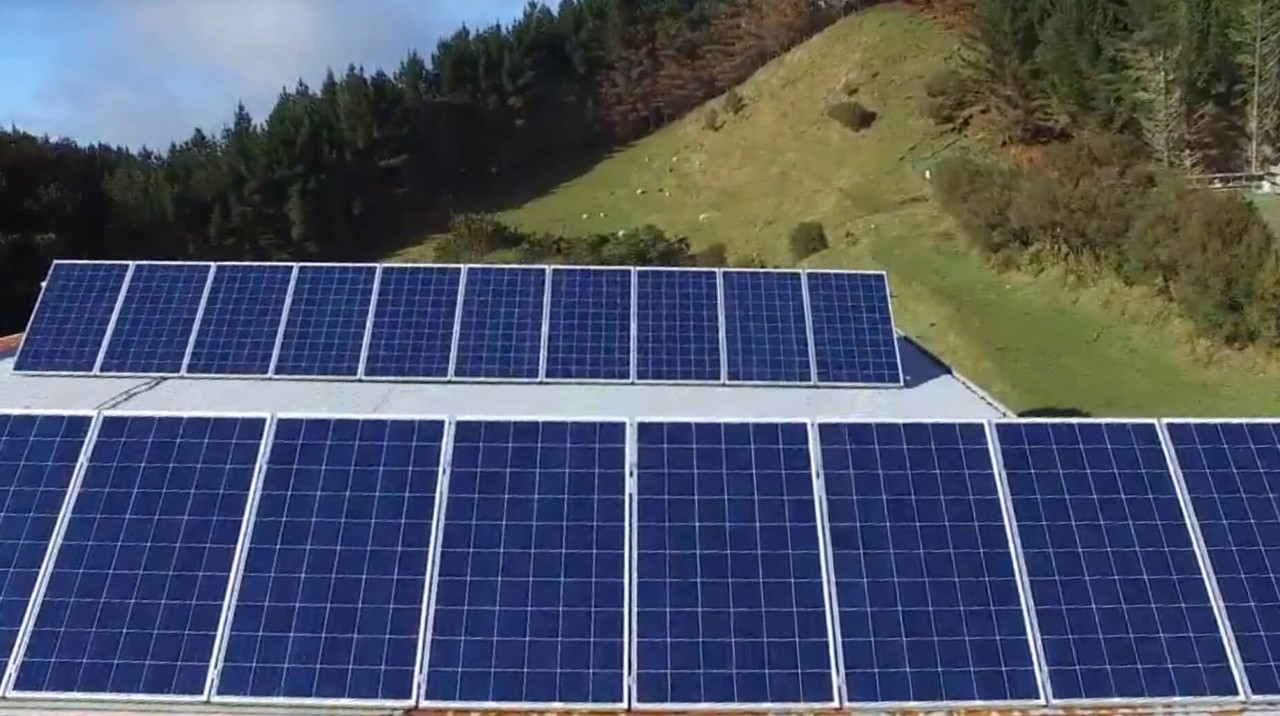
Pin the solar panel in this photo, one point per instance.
(529, 597)
(1120, 598)
(328, 314)
(589, 324)
(72, 318)
(766, 334)
(240, 325)
(412, 334)
(156, 319)
(1232, 473)
(38, 455)
(500, 335)
(678, 326)
(928, 601)
(730, 602)
(854, 340)
(134, 598)
(330, 603)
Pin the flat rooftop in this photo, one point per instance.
(932, 391)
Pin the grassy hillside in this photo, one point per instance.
(1269, 207)
(1035, 342)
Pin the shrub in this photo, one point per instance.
(948, 97)
(733, 102)
(978, 195)
(473, 236)
(714, 256)
(645, 246)
(807, 239)
(1095, 203)
(852, 115)
(711, 120)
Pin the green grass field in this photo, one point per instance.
(1269, 207)
(1034, 342)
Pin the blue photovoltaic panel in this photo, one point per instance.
(589, 325)
(1232, 472)
(530, 592)
(766, 338)
(157, 316)
(853, 337)
(135, 595)
(38, 455)
(72, 317)
(1121, 602)
(677, 326)
(501, 331)
(241, 322)
(928, 599)
(730, 605)
(412, 335)
(328, 315)
(330, 602)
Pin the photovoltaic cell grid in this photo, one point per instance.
(331, 598)
(412, 333)
(767, 331)
(853, 336)
(135, 594)
(1121, 602)
(71, 318)
(324, 332)
(729, 598)
(529, 599)
(1232, 472)
(501, 331)
(156, 318)
(589, 325)
(38, 455)
(677, 326)
(766, 334)
(929, 605)
(238, 332)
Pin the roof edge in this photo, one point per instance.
(969, 385)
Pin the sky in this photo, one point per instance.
(146, 72)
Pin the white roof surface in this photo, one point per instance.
(932, 391)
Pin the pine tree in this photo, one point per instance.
(1078, 60)
(1000, 59)
(1156, 77)
(1261, 61)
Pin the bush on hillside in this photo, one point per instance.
(733, 102)
(807, 239)
(471, 237)
(852, 115)
(948, 97)
(711, 120)
(1095, 204)
(645, 246)
(714, 256)
(474, 238)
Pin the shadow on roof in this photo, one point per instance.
(919, 366)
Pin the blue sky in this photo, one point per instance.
(137, 72)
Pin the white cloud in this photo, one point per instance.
(148, 71)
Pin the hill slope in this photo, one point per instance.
(1034, 342)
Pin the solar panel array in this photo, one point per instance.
(456, 563)
(473, 323)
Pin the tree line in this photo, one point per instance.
(1197, 81)
(1121, 100)
(367, 159)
